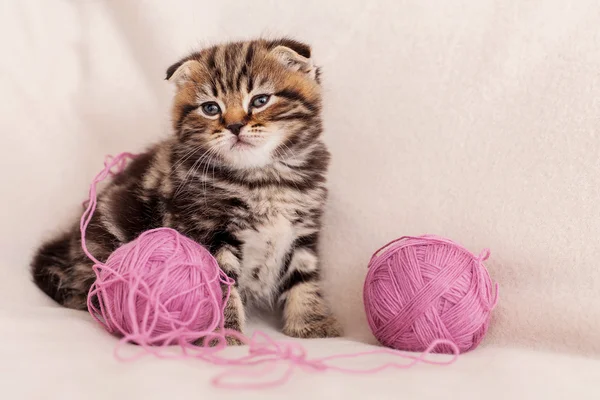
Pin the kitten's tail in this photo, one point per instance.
(51, 270)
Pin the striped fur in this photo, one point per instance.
(254, 198)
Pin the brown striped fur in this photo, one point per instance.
(247, 182)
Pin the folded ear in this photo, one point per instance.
(182, 71)
(299, 47)
(295, 56)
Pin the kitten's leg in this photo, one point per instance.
(305, 312)
(235, 315)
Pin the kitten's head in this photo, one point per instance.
(247, 104)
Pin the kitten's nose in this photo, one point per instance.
(235, 128)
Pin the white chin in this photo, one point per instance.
(247, 156)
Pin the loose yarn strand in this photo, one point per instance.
(119, 161)
(261, 345)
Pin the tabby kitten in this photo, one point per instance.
(243, 174)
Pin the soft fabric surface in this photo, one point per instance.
(67, 357)
(472, 119)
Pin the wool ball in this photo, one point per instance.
(159, 289)
(419, 289)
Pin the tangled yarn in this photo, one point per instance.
(173, 293)
(161, 288)
(422, 289)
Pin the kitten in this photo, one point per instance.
(243, 174)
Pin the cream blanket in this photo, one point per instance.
(477, 120)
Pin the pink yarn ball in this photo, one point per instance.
(158, 289)
(419, 289)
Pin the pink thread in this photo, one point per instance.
(422, 289)
(264, 350)
(164, 289)
(120, 164)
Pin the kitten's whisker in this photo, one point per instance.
(291, 150)
(190, 171)
(183, 159)
(203, 160)
(203, 175)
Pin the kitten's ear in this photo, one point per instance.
(299, 47)
(295, 56)
(181, 72)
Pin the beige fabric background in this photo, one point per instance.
(473, 119)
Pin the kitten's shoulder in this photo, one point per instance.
(149, 166)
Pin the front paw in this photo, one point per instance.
(212, 341)
(313, 327)
(233, 341)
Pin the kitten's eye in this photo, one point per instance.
(211, 108)
(260, 100)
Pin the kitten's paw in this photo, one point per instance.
(314, 327)
(233, 341)
(229, 340)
